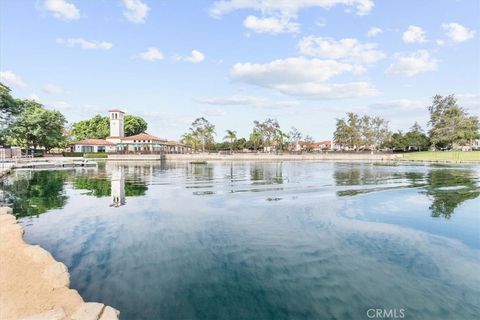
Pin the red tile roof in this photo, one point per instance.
(174, 143)
(143, 136)
(94, 142)
(115, 110)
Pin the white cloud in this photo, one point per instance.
(242, 100)
(292, 70)
(61, 105)
(151, 54)
(195, 57)
(62, 9)
(401, 105)
(414, 34)
(271, 25)
(84, 44)
(51, 88)
(11, 79)
(279, 15)
(348, 49)
(286, 8)
(440, 42)
(136, 11)
(303, 77)
(458, 33)
(412, 63)
(374, 31)
(315, 90)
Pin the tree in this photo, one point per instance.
(341, 136)
(134, 125)
(268, 129)
(309, 143)
(36, 126)
(359, 131)
(381, 133)
(295, 136)
(98, 127)
(8, 105)
(9, 109)
(204, 131)
(450, 125)
(367, 131)
(191, 140)
(280, 139)
(231, 136)
(255, 139)
(416, 138)
(353, 121)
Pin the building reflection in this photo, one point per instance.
(117, 183)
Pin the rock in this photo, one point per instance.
(7, 219)
(57, 274)
(54, 314)
(89, 311)
(5, 210)
(110, 313)
(38, 254)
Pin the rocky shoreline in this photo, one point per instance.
(33, 286)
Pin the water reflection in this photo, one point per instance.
(268, 240)
(447, 188)
(31, 193)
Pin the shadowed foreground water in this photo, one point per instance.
(292, 240)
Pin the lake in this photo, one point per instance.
(261, 240)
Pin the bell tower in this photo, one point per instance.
(116, 124)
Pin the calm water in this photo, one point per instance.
(257, 240)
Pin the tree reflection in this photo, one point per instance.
(265, 173)
(449, 188)
(35, 192)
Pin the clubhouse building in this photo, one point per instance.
(116, 142)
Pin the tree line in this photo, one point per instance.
(265, 134)
(28, 124)
(450, 127)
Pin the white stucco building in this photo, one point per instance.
(116, 142)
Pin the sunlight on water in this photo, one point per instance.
(261, 240)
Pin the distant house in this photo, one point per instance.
(314, 146)
(117, 142)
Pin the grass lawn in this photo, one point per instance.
(441, 156)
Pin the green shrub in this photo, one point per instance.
(96, 155)
(72, 154)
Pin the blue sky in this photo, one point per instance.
(304, 62)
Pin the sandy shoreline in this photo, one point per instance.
(33, 286)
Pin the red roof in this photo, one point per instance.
(115, 110)
(94, 142)
(174, 143)
(143, 136)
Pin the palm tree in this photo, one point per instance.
(280, 138)
(256, 139)
(231, 137)
(191, 140)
